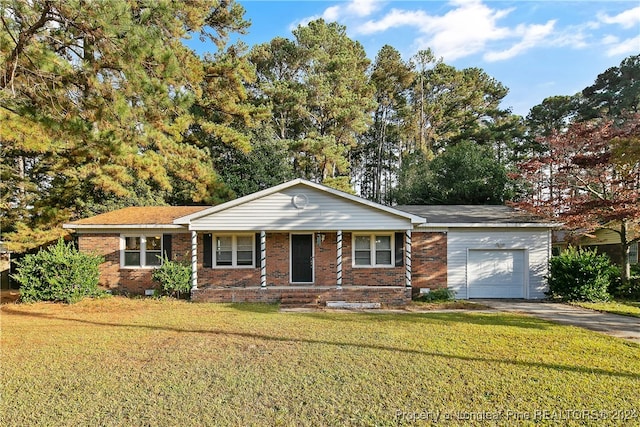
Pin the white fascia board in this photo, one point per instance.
(121, 226)
(489, 225)
(186, 220)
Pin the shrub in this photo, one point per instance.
(630, 291)
(437, 295)
(58, 273)
(174, 277)
(581, 275)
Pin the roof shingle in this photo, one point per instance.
(155, 215)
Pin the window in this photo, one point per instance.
(373, 250)
(141, 251)
(633, 253)
(234, 250)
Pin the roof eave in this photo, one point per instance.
(489, 225)
(72, 226)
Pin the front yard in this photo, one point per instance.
(146, 362)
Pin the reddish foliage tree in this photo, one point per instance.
(589, 179)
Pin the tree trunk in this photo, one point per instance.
(625, 245)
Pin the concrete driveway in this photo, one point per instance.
(626, 327)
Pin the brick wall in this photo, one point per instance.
(429, 264)
(127, 280)
(364, 276)
(428, 260)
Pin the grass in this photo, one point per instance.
(148, 362)
(626, 308)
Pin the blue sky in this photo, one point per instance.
(535, 48)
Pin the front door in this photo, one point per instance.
(301, 258)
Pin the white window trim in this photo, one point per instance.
(372, 253)
(143, 251)
(633, 253)
(234, 250)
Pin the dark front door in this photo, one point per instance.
(301, 258)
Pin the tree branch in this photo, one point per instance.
(21, 44)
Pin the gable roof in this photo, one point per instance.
(136, 217)
(186, 220)
(475, 216)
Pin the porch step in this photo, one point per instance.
(353, 305)
(298, 299)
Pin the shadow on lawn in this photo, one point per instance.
(556, 366)
(484, 319)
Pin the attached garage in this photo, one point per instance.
(492, 251)
(495, 273)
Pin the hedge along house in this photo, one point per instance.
(301, 242)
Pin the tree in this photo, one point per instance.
(596, 170)
(320, 97)
(459, 105)
(614, 92)
(96, 102)
(466, 173)
(266, 165)
(381, 147)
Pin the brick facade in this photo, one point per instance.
(428, 260)
(429, 265)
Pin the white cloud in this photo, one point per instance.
(362, 8)
(396, 18)
(625, 47)
(464, 30)
(627, 19)
(532, 35)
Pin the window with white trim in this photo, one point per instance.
(233, 250)
(633, 253)
(373, 250)
(141, 251)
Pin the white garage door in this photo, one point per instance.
(495, 273)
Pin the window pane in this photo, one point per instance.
(245, 257)
(132, 258)
(223, 258)
(224, 243)
(132, 243)
(363, 242)
(245, 243)
(383, 257)
(383, 242)
(363, 258)
(154, 243)
(153, 258)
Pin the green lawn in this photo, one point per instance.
(626, 308)
(172, 363)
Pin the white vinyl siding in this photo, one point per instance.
(534, 244)
(323, 211)
(140, 251)
(373, 250)
(233, 250)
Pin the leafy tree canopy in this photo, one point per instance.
(96, 100)
(466, 173)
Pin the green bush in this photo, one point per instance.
(174, 277)
(58, 273)
(630, 291)
(581, 275)
(437, 295)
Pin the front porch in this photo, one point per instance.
(305, 295)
